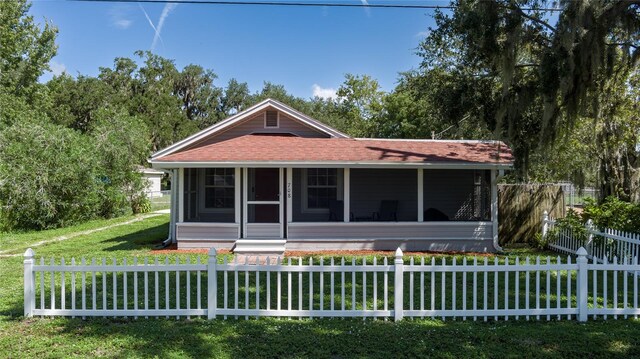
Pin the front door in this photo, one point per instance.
(265, 188)
(263, 214)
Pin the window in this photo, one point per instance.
(219, 188)
(271, 119)
(322, 186)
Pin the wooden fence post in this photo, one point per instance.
(582, 284)
(29, 282)
(212, 284)
(545, 225)
(398, 287)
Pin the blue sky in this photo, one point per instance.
(308, 50)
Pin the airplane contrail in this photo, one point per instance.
(155, 31)
(165, 13)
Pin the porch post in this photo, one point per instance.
(237, 198)
(289, 188)
(172, 207)
(245, 207)
(347, 194)
(420, 195)
(181, 195)
(494, 209)
(281, 199)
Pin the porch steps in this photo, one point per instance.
(261, 247)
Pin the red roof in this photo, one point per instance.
(283, 148)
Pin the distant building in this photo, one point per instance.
(154, 180)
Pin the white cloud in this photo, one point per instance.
(57, 68)
(325, 93)
(422, 34)
(119, 16)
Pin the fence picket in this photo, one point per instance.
(411, 285)
(322, 283)
(527, 291)
(604, 287)
(444, 291)
(485, 297)
(332, 287)
(506, 287)
(311, 286)
(464, 287)
(93, 285)
(52, 291)
(104, 284)
(475, 286)
(364, 286)
(568, 288)
(375, 286)
(188, 292)
(73, 286)
(495, 286)
(343, 286)
(125, 297)
(63, 292)
(386, 287)
(453, 289)
(135, 287)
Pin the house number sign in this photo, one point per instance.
(289, 190)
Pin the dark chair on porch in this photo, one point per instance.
(336, 210)
(388, 212)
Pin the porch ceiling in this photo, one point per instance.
(284, 148)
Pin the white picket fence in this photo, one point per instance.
(467, 289)
(606, 246)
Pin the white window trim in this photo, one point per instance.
(305, 191)
(277, 120)
(201, 188)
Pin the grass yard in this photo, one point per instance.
(334, 338)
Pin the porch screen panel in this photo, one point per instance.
(209, 195)
(372, 189)
(457, 195)
(318, 195)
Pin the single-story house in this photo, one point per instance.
(271, 178)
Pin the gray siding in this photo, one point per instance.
(263, 230)
(256, 125)
(370, 186)
(186, 231)
(433, 231)
(452, 192)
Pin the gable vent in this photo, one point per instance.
(271, 119)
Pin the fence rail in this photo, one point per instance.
(483, 289)
(603, 246)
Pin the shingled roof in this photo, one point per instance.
(287, 148)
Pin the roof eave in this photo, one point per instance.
(328, 164)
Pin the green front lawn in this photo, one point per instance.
(334, 338)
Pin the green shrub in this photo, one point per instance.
(47, 177)
(140, 204)
(613, 213)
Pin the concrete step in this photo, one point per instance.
(261, 247)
